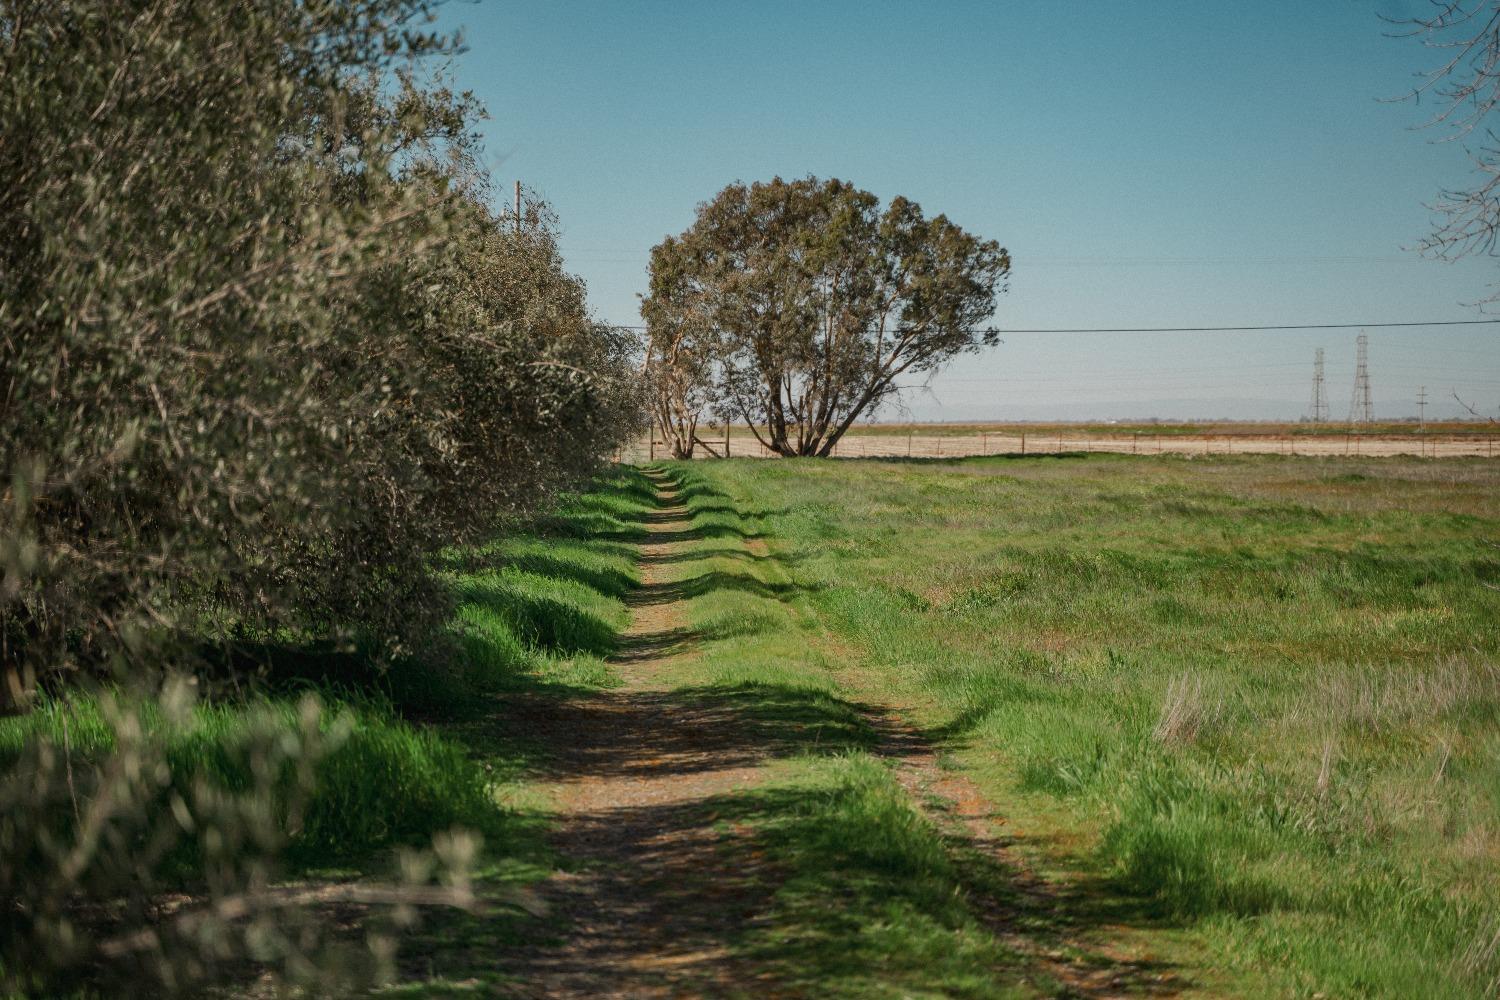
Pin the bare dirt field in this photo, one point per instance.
(960, 441)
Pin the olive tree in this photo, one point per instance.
(264, 346)
(820, 300)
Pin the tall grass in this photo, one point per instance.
(873, 903)
(384, 783)
(1262, 691)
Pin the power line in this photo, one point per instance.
(1222, 329)
(1228, 329)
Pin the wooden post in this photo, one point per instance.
(1023, 442)
(726, 439)
(653, 444)
(984, 443)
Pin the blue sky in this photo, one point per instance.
(1161, 164)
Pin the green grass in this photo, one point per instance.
(540, 608)
(870, 899)
(1260, 695)
(1242, 713)
(874, 903)
(383, 784)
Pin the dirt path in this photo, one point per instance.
(1038, 921)
(660, 885)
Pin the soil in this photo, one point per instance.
(658, 883)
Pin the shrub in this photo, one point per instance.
(263, 346)
(106, 799)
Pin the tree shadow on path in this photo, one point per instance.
(676, 859)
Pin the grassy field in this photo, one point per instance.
(1260, 695)
(1234, 721)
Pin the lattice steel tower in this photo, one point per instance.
(1319, 412)
(1361, 409)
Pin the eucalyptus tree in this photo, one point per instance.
(681, 349)
(820, 300)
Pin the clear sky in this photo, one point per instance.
(1147, 164)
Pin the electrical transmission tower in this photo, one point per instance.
(1319, 395)
(1422, 407)
(1361, 409)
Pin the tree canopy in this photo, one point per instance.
(265, 349)
(812, 301)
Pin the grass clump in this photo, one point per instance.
(872, 904)
(381, 783)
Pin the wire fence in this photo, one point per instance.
(925, 445)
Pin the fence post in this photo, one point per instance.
(1023, 442)
(653, 445)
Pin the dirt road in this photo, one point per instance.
(658, 879)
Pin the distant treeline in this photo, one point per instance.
(265, 347)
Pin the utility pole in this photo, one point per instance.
(1361, 409)
(1319, 394)
(518, 208)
